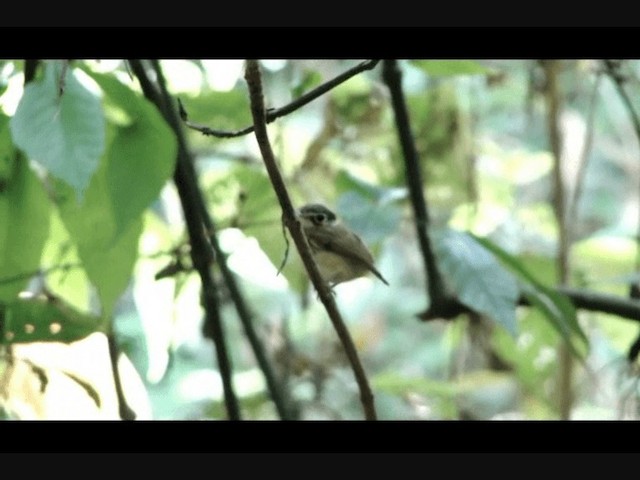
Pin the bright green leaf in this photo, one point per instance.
(451, 67)
(65, 133)
(107, 256)
(43, 320)
(142, 154)
(477, 278)
(24, 225)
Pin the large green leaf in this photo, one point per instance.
(477, 278)
(63, 132)
(107, 255)
(555, 306)
(24, 220)
(43, 320)
(141, 156)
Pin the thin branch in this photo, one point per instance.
(584, 159)
(393, 78)
(254, 81)
(273, 114)
(276, 388)
(601, 302)
(202, 254)
(552, 98)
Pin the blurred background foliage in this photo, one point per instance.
(481, 134)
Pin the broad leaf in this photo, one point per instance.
(43, 320)
(107, 255)
(24, 224)
(477, 278)
(556, 307)
(63, 132)
(141, 156)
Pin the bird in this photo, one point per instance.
(339, 253)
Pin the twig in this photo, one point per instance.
(584, 159)
(201, 251)
(254, 81)
(437, 295)
(273, 114)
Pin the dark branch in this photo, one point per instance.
(392, 77)
(254, 81)
(273, 114)
(202, 254)
(275, 387)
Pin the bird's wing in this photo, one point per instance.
(339, 240)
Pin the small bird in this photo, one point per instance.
(339, 253)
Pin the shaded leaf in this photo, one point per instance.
(43, 320)
(556, 306)
(24, 225)
(477, 278)
(63, 133)
(107, 255)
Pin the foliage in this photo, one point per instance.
(89, 216)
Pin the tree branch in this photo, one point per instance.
(277, 390)
(437, 296)
(273, 114)
(202, 254)
(553, 99)
(254, 81)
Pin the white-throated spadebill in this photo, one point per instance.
(339, 253)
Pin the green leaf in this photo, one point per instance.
(142, 155)
(477, 278)
(65, 133)
(40, 319)
(107, 255)
(24, 225)
(555, 306)
(451, 67)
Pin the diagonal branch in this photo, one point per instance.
(275, 387)
(273, 114)
(201, 251)
(437, 295)
(254, 81)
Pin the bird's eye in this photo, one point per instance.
(319, 217)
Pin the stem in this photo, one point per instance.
(202, 254)
(254, 81)
(392, 77)
(552, 97)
